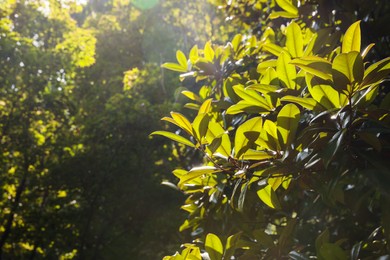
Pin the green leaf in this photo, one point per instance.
(200, 126)
(352, 39)
(231, 245)
(248, 107)
(214, 247)
(243, 140)
(324, 94)
(294, 41)
(194, 54)
(287, 6)
(268, 196)
(308, 103)
(322, 239)
(275, 15)
(206, 106)
(269, 138)
(294, 255)
(330, 251)
(250, 96)
(263, 88)
(174, 137)
(251, 154)
(376, 72)
(347, 71)
(181, 58)
(197, 172)
(217, 138)
(264, 65)
(191, 95)
(174, 67)
(286, 72)
(287, 123)
(236, 42)
(272, 48)
(315, 65)
(182, 122)
(209, 52)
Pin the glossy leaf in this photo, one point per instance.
(174, 67)
(214, 247)
(246, 134)
(200, 125)
(174, 137)
(197, 172)
(251, 154)
(181, 58)
(272, 48)
(231, 245)
(308, 103)
(286, 71)
(352, 38)
(268, 196)
(347, 70)
(287, 123)
(182, 122)
(206, 106)
(278, 14)
(315, 65)
(376, 72)
(294, 41)
(287, 6)
(191, 95)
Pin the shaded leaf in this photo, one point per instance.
(287, 123)
(347, 70)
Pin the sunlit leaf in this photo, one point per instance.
(209, 52)
(264, 65)
(367, 50)
(181, 58)
(191, 95)
(287, 6)
(251, 154)
(272, 48)
(248, 107)
(263, 88)
(347, 70)
(286, 71)
(200, 125)
(242, 137)
(182, 122)
(287, 123)
(197, 172)
(206, 106)
(294, 41)
(376, 72)
(352, 38)
(268, 196)
(214, 247)
(315, 65)
(174, 67)
(278, 14)
(308, 103)
(194, 54)
(174, 137)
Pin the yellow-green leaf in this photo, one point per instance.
(231, 245)
(308, 103)
(197, 172)
(283, 14)
(272, 48)
(264, 65)
(352, 38)
(191, 95)
(294, 40)
(246, 134)
(315, 65)
(206, 106)
(286, 72)
(209, 52)
(287, 123)
(251, 96)
(287, 6)
(347, 70)
(181, 58)
(182, 122)
(174, 137)
(174, 67)
(194, 54)
(200, 125)
(251, 154)
(214, 247)
(268, 196)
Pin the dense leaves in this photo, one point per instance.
(294, 141)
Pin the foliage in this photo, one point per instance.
(292, 128)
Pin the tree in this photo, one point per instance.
(37, 127)
(291, 122)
